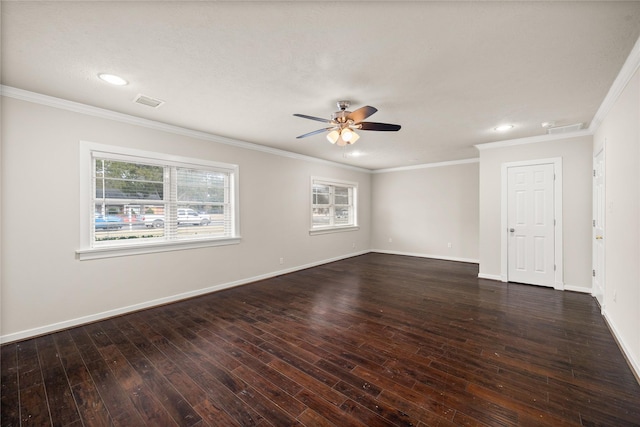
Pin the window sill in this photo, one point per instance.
(328, 230)
(149, 248)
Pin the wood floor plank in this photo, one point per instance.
(34, 409)
(375, 406)
(181, 382)
(425, 397)
(373, 340)
(362, 414)
(214, 415)
(258, 365)
(311, 418)
(268, 409)
(327, 409)
(524, 410)
(114, 396)
(9, 388)
(90, 405)
(230, 403)
(140, 352)
(300, 364)
(216, 397)
(28, 365)
(278, 396)
(62, 407)
(71, 359)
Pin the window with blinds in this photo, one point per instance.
(154, 199)
(333, 204)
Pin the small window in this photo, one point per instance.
(333, 205)
(141, 199)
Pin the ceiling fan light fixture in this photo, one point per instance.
(347, 134)
(354, 138)
(333, 136)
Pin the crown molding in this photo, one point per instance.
(427, 166)
(533, 139)
(624, 76)
(76, 107)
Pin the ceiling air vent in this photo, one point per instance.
(564, 129)
(148, 101)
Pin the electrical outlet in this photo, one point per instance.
(281, 260)
(390, 240)
(354, 245)
(615, 296)
(449, 245)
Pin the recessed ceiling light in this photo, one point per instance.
(503, 128)
(113, 79)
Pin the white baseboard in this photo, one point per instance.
(442, 257)
(41, 330)
(632, 360)
(557, 286)
(490, 277)
(582, 289)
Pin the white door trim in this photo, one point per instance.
(604, 224)
(504, 235)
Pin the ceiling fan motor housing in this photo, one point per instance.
(340, 116)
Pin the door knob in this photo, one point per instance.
(598, 237)
(511, 230)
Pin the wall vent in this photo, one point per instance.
(148, 101)
(564, 129)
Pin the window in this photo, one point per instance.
(333, 205)
(143, 202)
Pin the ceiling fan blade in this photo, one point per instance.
(319, 119)
(378, 126)
(361, 113)
(313, 133)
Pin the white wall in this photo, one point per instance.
(44, 286)
(621, 131)
(576, 156)
(423, 210)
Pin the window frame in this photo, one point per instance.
(89, 151)
(333, 228)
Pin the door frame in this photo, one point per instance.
(558, 282)
(602, 151)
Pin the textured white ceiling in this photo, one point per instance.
(448, 72)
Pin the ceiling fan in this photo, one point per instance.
(344, 124)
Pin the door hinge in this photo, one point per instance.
(594, 273)
(594, 222)
(554, 267)
(594, 172)
(554, 222)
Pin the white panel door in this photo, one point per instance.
(598, 228)
(530, 218)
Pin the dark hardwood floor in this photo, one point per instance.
(375, 340)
